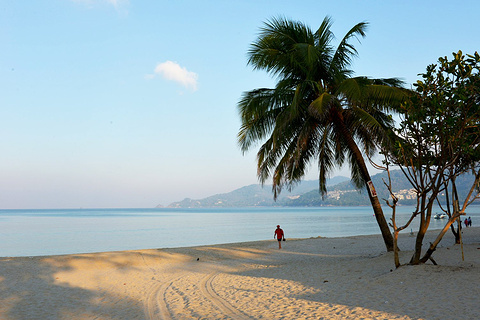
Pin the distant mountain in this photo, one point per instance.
(345, 194)
(340, 192)
(254, 196)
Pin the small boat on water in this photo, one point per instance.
(440, 216)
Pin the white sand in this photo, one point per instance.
(321, 278)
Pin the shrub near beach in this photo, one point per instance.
(439, 140)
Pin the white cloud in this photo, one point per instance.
(174, 72)
(117, 4)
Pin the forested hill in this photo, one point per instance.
(341, 192)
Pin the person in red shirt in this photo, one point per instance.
(279, 235)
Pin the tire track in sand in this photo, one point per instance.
(156, 306)
(207, 289)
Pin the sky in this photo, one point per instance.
(132, 104)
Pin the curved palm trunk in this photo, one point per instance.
(377, 208)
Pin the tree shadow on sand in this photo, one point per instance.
(31, 288)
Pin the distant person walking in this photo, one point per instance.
(279, 235)
(469, 221)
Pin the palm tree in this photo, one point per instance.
(317, 111)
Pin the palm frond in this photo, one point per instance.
(295, 161)
(276, 49)
(258, 111)
(319, 107)
(325, 35)
(326, 157)
(346, 51)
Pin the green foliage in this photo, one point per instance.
(440, 127)
(439, 141)
(317, 110)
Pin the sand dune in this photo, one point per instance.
(318, 278)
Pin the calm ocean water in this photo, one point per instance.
(66, 231)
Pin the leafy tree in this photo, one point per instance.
(439, 141)
(317, 110)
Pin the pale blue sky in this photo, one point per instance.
(110, 103)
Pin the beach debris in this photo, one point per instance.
(198, 259)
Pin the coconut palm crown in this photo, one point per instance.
(318, 111)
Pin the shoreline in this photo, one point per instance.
(65, 232)
(312, 278)
(431, 234)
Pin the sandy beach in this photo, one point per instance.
(316, 278)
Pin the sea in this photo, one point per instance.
(41, 232)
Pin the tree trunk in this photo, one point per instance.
(425, 216)
(381, 221)
(377, 208)
(396, 258)
(419, 241)
(456, 233)
(433, 246)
